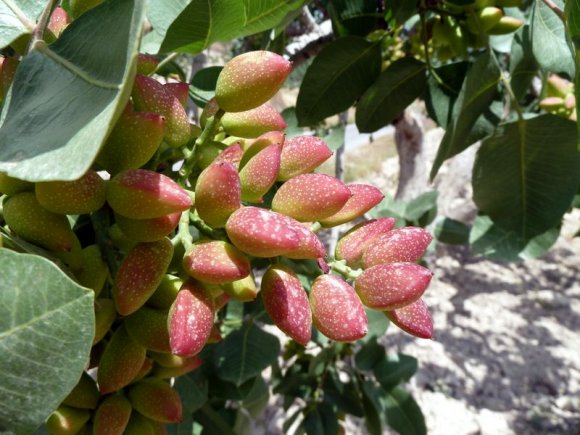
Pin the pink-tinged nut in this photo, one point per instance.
(286, 302)
(105, 315)
(253, 147)
(259, 174)
(216, 262)
(144, 370)
(215, 336)
(414, 319)
(311, 197)
(351, 246)
(232, 154)
(148, 327)
(157, 400)
(405, 245)
(140, 274)
(310, 245)
(302, 154)
(144, 194)
(84, 395)
(364, 197)
(190, 320)
(8, 67)
(82, 196)
(59, 20)
(217, 193)
(133, 141)
(151, 96)
(250, 79)
(242, 290)
(210, 109)
(120, 363)
(179, 90)
(146, 64)
(337, 310)
(262, 233)
(112, 416)
(253, 123)
(390, 286)
(148, 230)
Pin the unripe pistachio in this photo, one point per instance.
(133, 141)
(414, 319)
(242, 289)
(29, 220)
(59, 20)
(210, 109)
(206, 155)
(151, 96)
(286, 302)
(405, 245)
(85, 195)
(179, 366)
(112, 416)
(8, 67)
(190, 320)
(390, 286)
(148, 327)
(120, 363)
(155, 399)
(144, 194)
(253, 123)
(166, 292)
(260, 172)
(232, 154)
(148, 230)
(556, 86)
(67, 421)
(302, 154)
(144, 370)
(146, 64)
(94, 271)
(84, 395)
(217, 193)
(105, 315)
(337, 310)
(10, 185)
(140, 274)
(253, 147)
(179, 90)
(551, 104)
(311, 197)
(363, 198)
(506, 25)
(139, 425)
(350, 247)
(216, 262)
(250, 79)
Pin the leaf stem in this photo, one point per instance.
(514, 104)
(39, 29)
(556, 10)
(183, 235)
(165, 61)
(346, 271)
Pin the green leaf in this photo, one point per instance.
(203, 22)
(378, 324)
(292, 129)
(344, 395)
(477, 93)
(523, 65)
(160, 14)
(421, 205)
(398, 368)
(442, 92)
(321, 420)
(549, 43)
(66, 97)
(193, 390)
(258, 397)
(221, 389)
(572, 11)
(213, 421)
(17, 18)
(396, 88)
(402, 412)
(400, 10)
(245, 353)
(494, 242)
(372, 407)
(370, 354)
(46, 333)
(451, 231)
(203, 83)
(354, 17)
(341, 73)
(523, 184)
(335, 137)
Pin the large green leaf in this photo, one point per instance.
(549, 43)
(523, 64)
(66, 96)
(395, 369)
(354, 17)
(402, 412)
(397, 87)
(525, 176)
(497, 243)
(477, 94)
(372, 407)
(17, 18)
(443, 88)
(203, 83)
(203, 22)
(321, 420)
(245, 353)
(46, 332)
(341, 73)
(160, 14)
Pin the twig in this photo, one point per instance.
(38, 31)
(556, 9)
